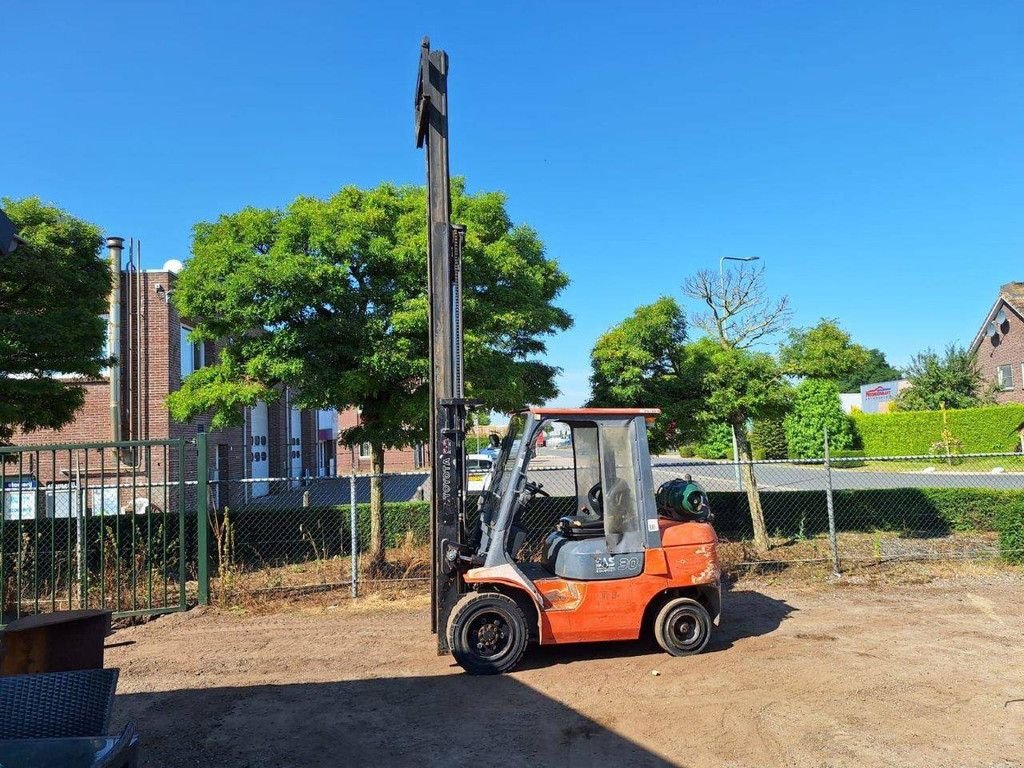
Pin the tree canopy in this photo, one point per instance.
(329, 296)
(952, 380)
(54, 291)
(827, 352)
(876, 368)
(740, 386)
(643, 361)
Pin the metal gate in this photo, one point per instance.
(96, 525)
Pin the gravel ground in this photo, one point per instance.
(916, 675)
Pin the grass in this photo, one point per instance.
(940, 464)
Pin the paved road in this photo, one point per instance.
(550, 468)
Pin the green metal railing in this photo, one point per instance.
(114, 525)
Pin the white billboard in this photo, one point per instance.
(875, 398)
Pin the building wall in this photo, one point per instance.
(1006, 347)
(150, 369)
(395, 459)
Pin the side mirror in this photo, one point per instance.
(494, 440)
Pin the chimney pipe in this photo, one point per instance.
(115, 245)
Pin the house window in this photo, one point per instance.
(364, 450)
(1004, 377)
(193, 353)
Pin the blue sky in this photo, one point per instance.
(870, 153)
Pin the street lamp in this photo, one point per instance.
(721, 280)
(9, 239)
(721, 263)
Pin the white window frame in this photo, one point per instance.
(1003, 385)
(365, 451)
(196, 357)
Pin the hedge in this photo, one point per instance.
(274, 535)
(888, 509)
(993, 429)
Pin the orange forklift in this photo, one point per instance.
(622, 560)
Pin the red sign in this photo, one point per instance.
(878, 391)
(325, 434)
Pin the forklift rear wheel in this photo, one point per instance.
(487, 633)
(683, 627)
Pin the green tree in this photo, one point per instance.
(816, 407)
(953, 380)
(54, 290)
(827, 352)
(643, 361)
(740, 386)
(875, 369)
(328, 296)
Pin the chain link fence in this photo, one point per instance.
(852, 509)
(285, 536)
(855, 509)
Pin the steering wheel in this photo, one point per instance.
(595, 497)
(536, 489)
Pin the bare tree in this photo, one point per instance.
(739, 313)
(744, 385)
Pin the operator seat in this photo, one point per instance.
(578, 549)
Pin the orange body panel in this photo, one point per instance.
(585, 611)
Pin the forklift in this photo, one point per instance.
(626, 561)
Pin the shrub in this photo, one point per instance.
(1011, 533)
(716, 442)
(816, 407)
(768, 440)
(912, 433)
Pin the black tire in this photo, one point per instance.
(683, 627)
(487, 633)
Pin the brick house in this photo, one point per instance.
(999, 344)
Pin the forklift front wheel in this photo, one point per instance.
(683, 627)
(487, 633)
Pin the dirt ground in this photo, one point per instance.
(815, 675)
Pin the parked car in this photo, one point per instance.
(559, 441)
(478, 472)
(541, 440)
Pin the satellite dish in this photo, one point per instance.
(173, 266)
(990, 331)
(1000, 317)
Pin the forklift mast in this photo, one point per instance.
(448, 406)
